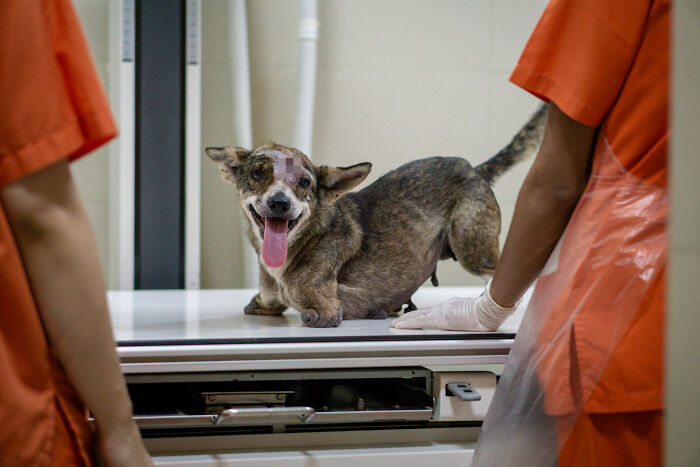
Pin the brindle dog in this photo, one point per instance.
(333, 254)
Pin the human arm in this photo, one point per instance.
(546, 200)
(59, 252)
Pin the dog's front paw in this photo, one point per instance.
(255, 308)
(316, 319)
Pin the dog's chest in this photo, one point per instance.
(275, 273)
(281, 289)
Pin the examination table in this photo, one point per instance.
(213, 386)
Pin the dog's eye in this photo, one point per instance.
(304, 182)
(257, 174)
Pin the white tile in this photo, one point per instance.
(413, 34)
(214, 188)
(273, 31)
(222, 246)
(682, 351)
(274, 103)
(512, 23)
(94, 19)
(509, 109)
(91, 175)
(216, 99)
(273, 95)
(507, 207)
(217, 129)
(216, 45)
(391, 117)
(685, 215)
(450, 273)
(103, 73)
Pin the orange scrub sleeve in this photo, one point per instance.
(51, 101)
(53, 107)
(580, 55)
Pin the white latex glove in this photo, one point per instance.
(464, 314)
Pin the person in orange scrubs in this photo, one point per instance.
(583, 383)
(57, 353)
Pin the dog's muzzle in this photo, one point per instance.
(279, 205)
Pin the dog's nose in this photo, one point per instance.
(279, 204)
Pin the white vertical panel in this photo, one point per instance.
(122, 151)
(193, 149)
(242, 117)
(682, 430)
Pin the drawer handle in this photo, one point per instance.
(271, 415)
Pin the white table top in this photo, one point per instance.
(216, 316)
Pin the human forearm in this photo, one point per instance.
(545, 203)
(60, 256)
(538, 222)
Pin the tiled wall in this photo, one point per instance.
(397, 80)
(92, 171)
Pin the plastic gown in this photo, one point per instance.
(595, 281)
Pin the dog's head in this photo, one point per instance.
(279, 189)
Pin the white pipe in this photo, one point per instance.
(193, 146)
(242, 118)
(306, 76)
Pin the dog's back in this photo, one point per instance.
(406, 217)
(420, 213)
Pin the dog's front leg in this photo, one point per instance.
(317, 302)
(267, 302)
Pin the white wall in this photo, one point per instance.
(92, 171)
(397, 80)
(683, 295)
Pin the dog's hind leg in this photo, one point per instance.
(473, 233)
(410, 306)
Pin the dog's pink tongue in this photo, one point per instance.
(274, 249)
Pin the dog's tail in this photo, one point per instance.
(521, 146)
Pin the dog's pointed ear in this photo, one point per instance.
(230, 159)
(334, 182)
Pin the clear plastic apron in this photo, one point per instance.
(609, 256)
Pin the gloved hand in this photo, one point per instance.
(465, 314)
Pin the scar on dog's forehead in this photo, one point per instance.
(286, 166)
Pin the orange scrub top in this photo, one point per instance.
(53, 107)
(605, 64)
